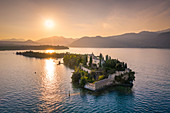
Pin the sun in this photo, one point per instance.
(49, 23)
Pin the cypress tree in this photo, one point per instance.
(91, 60)
(85, 60)
(100, 63)
(107, 57)
(101, 56)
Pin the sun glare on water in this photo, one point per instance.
(50, 68)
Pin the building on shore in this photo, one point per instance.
(95, 60)
(107, 81)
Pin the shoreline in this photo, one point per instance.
(40, 47)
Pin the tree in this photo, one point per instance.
(110, 63)
(91, 60)
(83, 81)
(101, 56)
(76, 77)
(85, 60)
(107, 57)
(125, 65)
(100, 63)
(118, 66)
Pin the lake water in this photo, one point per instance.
(23, 90)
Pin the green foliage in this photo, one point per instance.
(91, 60)
(101, 56)
(110, 63)
(76, 77)
(118, 66)
(109, 67)
(131, 76)
(101, 77)
(100, 63)
(107, 57)
(81, 76)
(114, 64)
(85, 60)
(125, 65)
(73, 60)
(41, 55)
(83, 81)
(111, 71)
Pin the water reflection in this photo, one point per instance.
(49, 69)
(50, 92)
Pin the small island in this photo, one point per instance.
(90, 71)
(94, 73)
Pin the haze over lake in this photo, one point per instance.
(21, 90)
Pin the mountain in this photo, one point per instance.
(55, 40)
(15, 42)
(165, 30)
(12, 39)
(144, 39)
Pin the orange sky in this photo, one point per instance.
(77, 18)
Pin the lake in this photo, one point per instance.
(47, 90)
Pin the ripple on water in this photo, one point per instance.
(47, 91)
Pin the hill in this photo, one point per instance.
(144, 39)
(55, 40)
(15, 42)
(31, 47)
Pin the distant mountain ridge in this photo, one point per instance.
(16, 42)
(165, 30)
(56, 40)
(144, 39)
(12, 39)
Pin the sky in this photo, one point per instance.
(27, 19)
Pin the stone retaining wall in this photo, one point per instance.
(99, 84)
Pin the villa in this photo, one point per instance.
(95, 60)
(94, 72)
(104, 82)
(107, 81)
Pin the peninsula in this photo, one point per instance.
(90, 71)
(96, 72)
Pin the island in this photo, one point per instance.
(92, 72)
(95, 73)
(31, 47)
